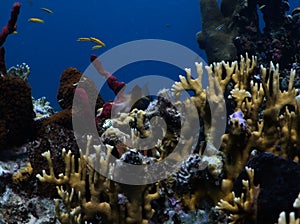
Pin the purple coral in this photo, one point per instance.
(239, 116)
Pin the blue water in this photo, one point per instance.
(51, 47)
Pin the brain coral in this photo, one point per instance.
(16, 112)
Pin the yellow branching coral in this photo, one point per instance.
(71, 215)
(76, 179)
(239, 96)
(243, 74)
(97, 194)
(276, 101)
(218, 70)
(269, 112)
(268, 119)
(202, 95)
(136, 206)
(276, 131)
(251, 106)
(148, 198)
(244, 206)
(188, 83)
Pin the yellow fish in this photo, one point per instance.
(15, 32)
(46, 10)
(97, 41)
(35, 20)
(83, 39)
(96, 47)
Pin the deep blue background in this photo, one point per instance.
(51, 47)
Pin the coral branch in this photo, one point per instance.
(245, 205)
(6, 30)
(112, 81)
(11, 25)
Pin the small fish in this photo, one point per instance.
(15, 32)
(218, 28)
(35, 20)
(96, 47)
(46, 10)
(93, 39)
(97, 41)
(168, 25)
(83, 39)
(262, 6)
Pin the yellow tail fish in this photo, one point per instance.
(47, 10)
(96, 47)
(83, 39)
(97, 41)
(35, 20)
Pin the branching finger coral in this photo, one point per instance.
(71, 215)
(76, 179)
(244, 206)
(201, 95)
(22, 71)
(96, 194)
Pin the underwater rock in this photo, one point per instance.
(279, 181)
(235, 29)
(217, 34)
(15, 208)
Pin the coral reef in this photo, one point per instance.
(243, 208)
(275, 131)
(96, 194)
(245, 172)
(235, 28)
(261, 110)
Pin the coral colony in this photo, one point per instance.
(252, 177)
